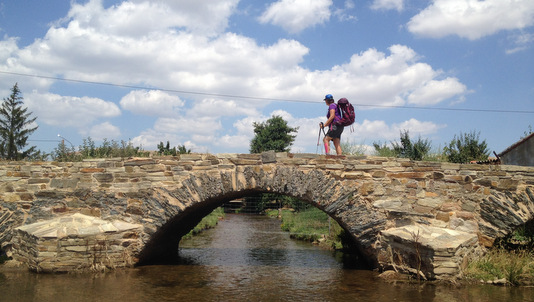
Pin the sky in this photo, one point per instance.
(201, 73)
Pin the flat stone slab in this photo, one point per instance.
(437, 239)
(78, 225)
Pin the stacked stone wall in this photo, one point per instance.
(366, 195)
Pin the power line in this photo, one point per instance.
(260, 98)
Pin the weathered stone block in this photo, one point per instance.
(103, 177)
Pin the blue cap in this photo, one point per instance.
(328, 97)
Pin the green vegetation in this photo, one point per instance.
(517, 267)
(407, 148)
(274, 134)
(466, 147)
(210, 221)
(16, 125)
(312, 225)
(89, 150)
(461, 149)
(512, 259)
(167, 150)
(262, 202)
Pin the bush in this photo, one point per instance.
(466, 147)
(407, 148)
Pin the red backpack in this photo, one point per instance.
(347, 112)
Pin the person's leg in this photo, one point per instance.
(337, 145)
(326, 141)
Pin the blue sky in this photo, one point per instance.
(200, 73)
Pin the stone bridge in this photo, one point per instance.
(426, 218)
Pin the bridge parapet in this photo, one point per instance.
(366, 195)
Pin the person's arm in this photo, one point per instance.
(331, 118)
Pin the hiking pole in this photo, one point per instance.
(325, 145)
(318, 139)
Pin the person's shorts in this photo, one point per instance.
(335, 131)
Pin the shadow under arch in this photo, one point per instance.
(163, 245)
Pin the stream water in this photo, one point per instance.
(245, 258)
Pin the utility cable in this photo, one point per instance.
(261, 98)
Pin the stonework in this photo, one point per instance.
(377, 200)
(76, 243)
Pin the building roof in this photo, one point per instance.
(512, 147)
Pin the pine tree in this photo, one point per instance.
(14, 127)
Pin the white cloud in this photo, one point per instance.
(472, 19)
(186, 125)
(218, 108)
(231, 143)
(151, 103)
(379, 130)
(165, 44)
(66, 111)
(388, 4)
(297, 15)
(104, 131)
(376, 79)
(139, 18)
(434, 92)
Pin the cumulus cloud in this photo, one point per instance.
(217, 108)
(372, 77)
(104, 131)
(472, 19)
(151, 103)
(67, 111)
(139, 18)
(379, 129)
(296, 15)
(167, 44)
(433, 92)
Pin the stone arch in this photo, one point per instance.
(502, 212)
(200, 193)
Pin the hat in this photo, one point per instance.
(328, 97)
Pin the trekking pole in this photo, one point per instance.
(318, 139)
(325, 146)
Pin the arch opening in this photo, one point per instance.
(521, 238)
(164, 245)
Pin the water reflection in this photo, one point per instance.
(245, 258)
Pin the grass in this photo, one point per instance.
(210, 221)
(311, 225)
(516, 266)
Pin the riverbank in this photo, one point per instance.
(312, 225)
(503, 267)
(208, 222)
(510, 266)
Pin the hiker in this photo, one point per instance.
(334, 129)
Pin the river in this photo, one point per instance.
(245, 258)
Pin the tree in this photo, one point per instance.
(183, 150)
(466, 147)
(167, 150)
(274, 134)
(15, 121)
(407, 148)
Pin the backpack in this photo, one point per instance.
(347, 112)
